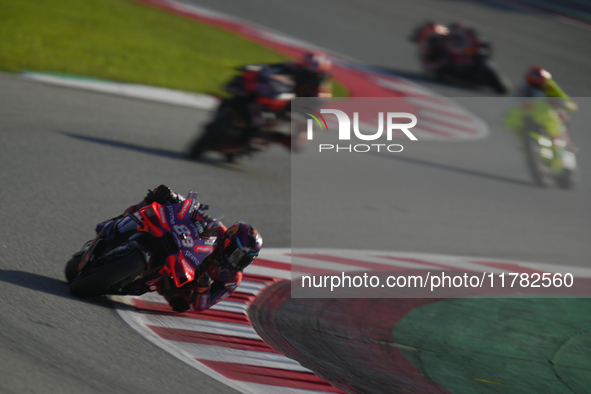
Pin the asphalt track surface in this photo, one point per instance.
(471, 198)
(71, 158)
(376, 32)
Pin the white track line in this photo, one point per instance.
(191, 352)
(163, 95)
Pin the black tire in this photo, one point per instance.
(98, 281)
(205, 142)
(539, 171)
(231, 157)
(497, 81)
(214, 133)
(567, 179)
(71, 270)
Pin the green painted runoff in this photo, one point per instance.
(504, 345)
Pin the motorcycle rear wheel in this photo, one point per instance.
(567, 179)
(205, 142)
(98, 281)
(230, 157)
(539, 171)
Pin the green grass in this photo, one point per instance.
(125, 41)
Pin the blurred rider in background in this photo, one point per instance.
(542, 103)
(539, 83)
(443, 46)
(431, 40)
(220, 272)
(264, 90)
(257, 97)
(311, 74)
(462, 42)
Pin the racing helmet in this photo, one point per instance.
(537, 76)
(429, 29)
(241, 244)
(440, 29)
(315, 62)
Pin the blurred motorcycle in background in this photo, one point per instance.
(258, 112)
(457, 54)
(541, 125)
(243, 125)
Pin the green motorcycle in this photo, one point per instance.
(550, 160)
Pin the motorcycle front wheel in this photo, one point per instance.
(71, 270)
(101, 276)
(539, 170)
(205, 142)
(567, 179)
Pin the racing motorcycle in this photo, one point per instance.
(224, 134)
(541, 151)
(156, 247)
(473, 65)
(249, 121)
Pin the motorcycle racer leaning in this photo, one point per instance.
(311, 74)
(221, 271)
(542, 102)
(431, 39)
(260, 88)
(462, 42)
(539, 83)
(442, 46)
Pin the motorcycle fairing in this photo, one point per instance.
(175, 219)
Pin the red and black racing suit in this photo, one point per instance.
(212, 285)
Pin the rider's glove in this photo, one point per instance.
(162, 195)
